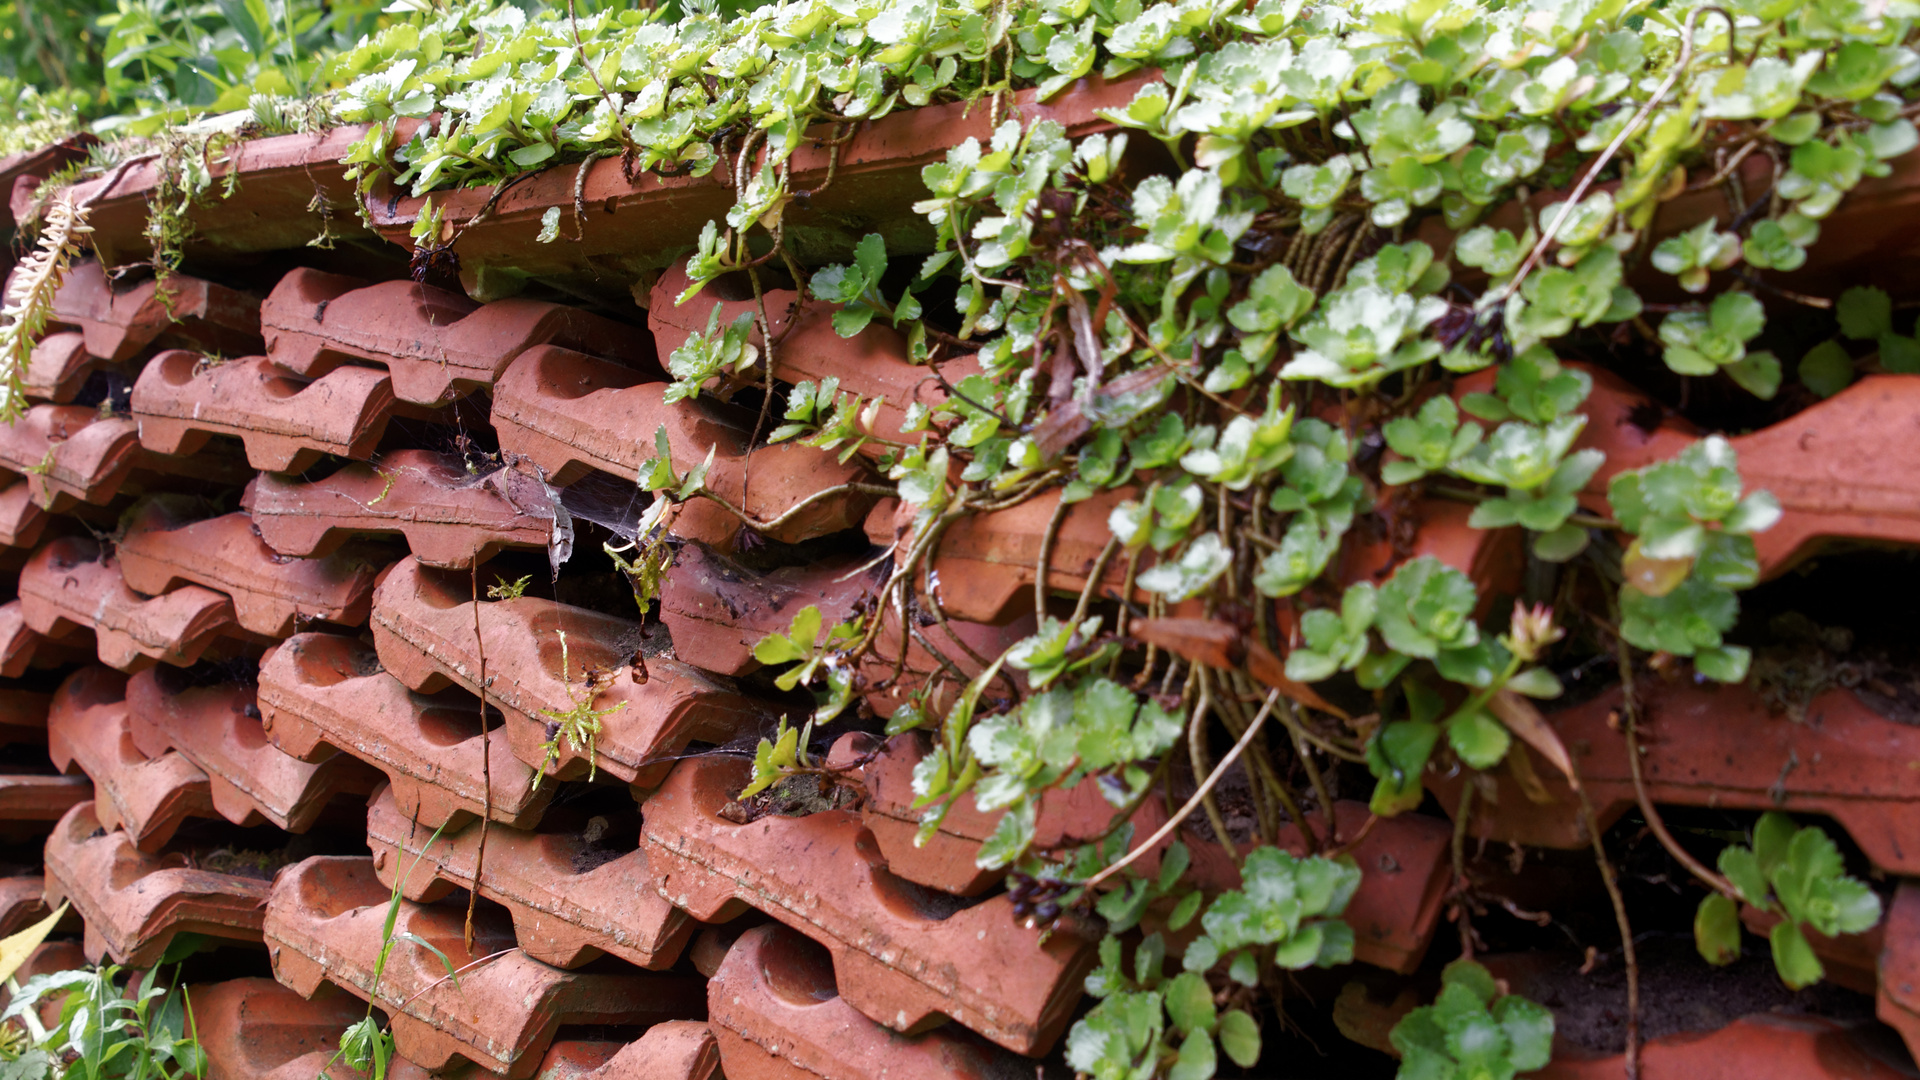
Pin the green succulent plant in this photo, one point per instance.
(1796, 874)
(1473, 1031)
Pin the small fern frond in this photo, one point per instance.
(30, 295)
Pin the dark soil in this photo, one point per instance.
(796, 796)
(1811, 632)
(1679, 992)
(259, 852)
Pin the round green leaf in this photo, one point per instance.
(1197, 1060)
(1793, 957)
(1826, 369)
(1561, 544)
(1240, 1038)
(1865, 313)
(1758, 373)
(1529, 1029)
(1900, 354)
(1716, 929)
(1190, 1003)
(1480, 740)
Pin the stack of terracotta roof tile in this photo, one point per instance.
(213, 650)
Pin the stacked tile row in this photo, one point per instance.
(315, 663)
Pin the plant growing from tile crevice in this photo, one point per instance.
(1473, 1029)
(1286, 914)
(1796, 874)
(1692, 547)
(29, 296)
(579, 724)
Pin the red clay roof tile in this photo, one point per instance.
(286, 422)
(424, 627)
(218, 728)
(89, 728)
(902, 955)
(569, 413)
(437, 344)
(568, 906)
(271, 593)
(135, 903)
(324, 923)
(773, 1007)
(446, 516)
(322, 693)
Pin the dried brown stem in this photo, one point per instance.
(486, 758)
(1045, 561)
(1629, 723)
(1612, 882)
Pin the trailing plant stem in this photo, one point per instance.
(486, 758)
(1627, 952)
(1196, 800)
(1629, 723)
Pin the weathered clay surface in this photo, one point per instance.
(888, 690)
(1067, 817)
(437, 344)
(69, 454)
(897, 959)
(570, 413)
(1494, 558)
(21, 903)
(134, 903)
(35, 798)
(21, 519)
(566, 909)
(983, 568)
(1767, 1046)
(18, 643)
(24, 172)
(674, 1050)
(286, 422)
(59, 367)
(773, 1007)
(670, 1050)
(423, 627)
(218, 729)
(1718, 746)
(321, 693)
(1393, 914)
(66, 586)
(717, 610)
(290, 190)
(271, 593)
(89, 728)
(118, 323)
(21, 647)
(431, 499)
(1810, 462)
(256, 1029)
(324, 923)
(1899, 997)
